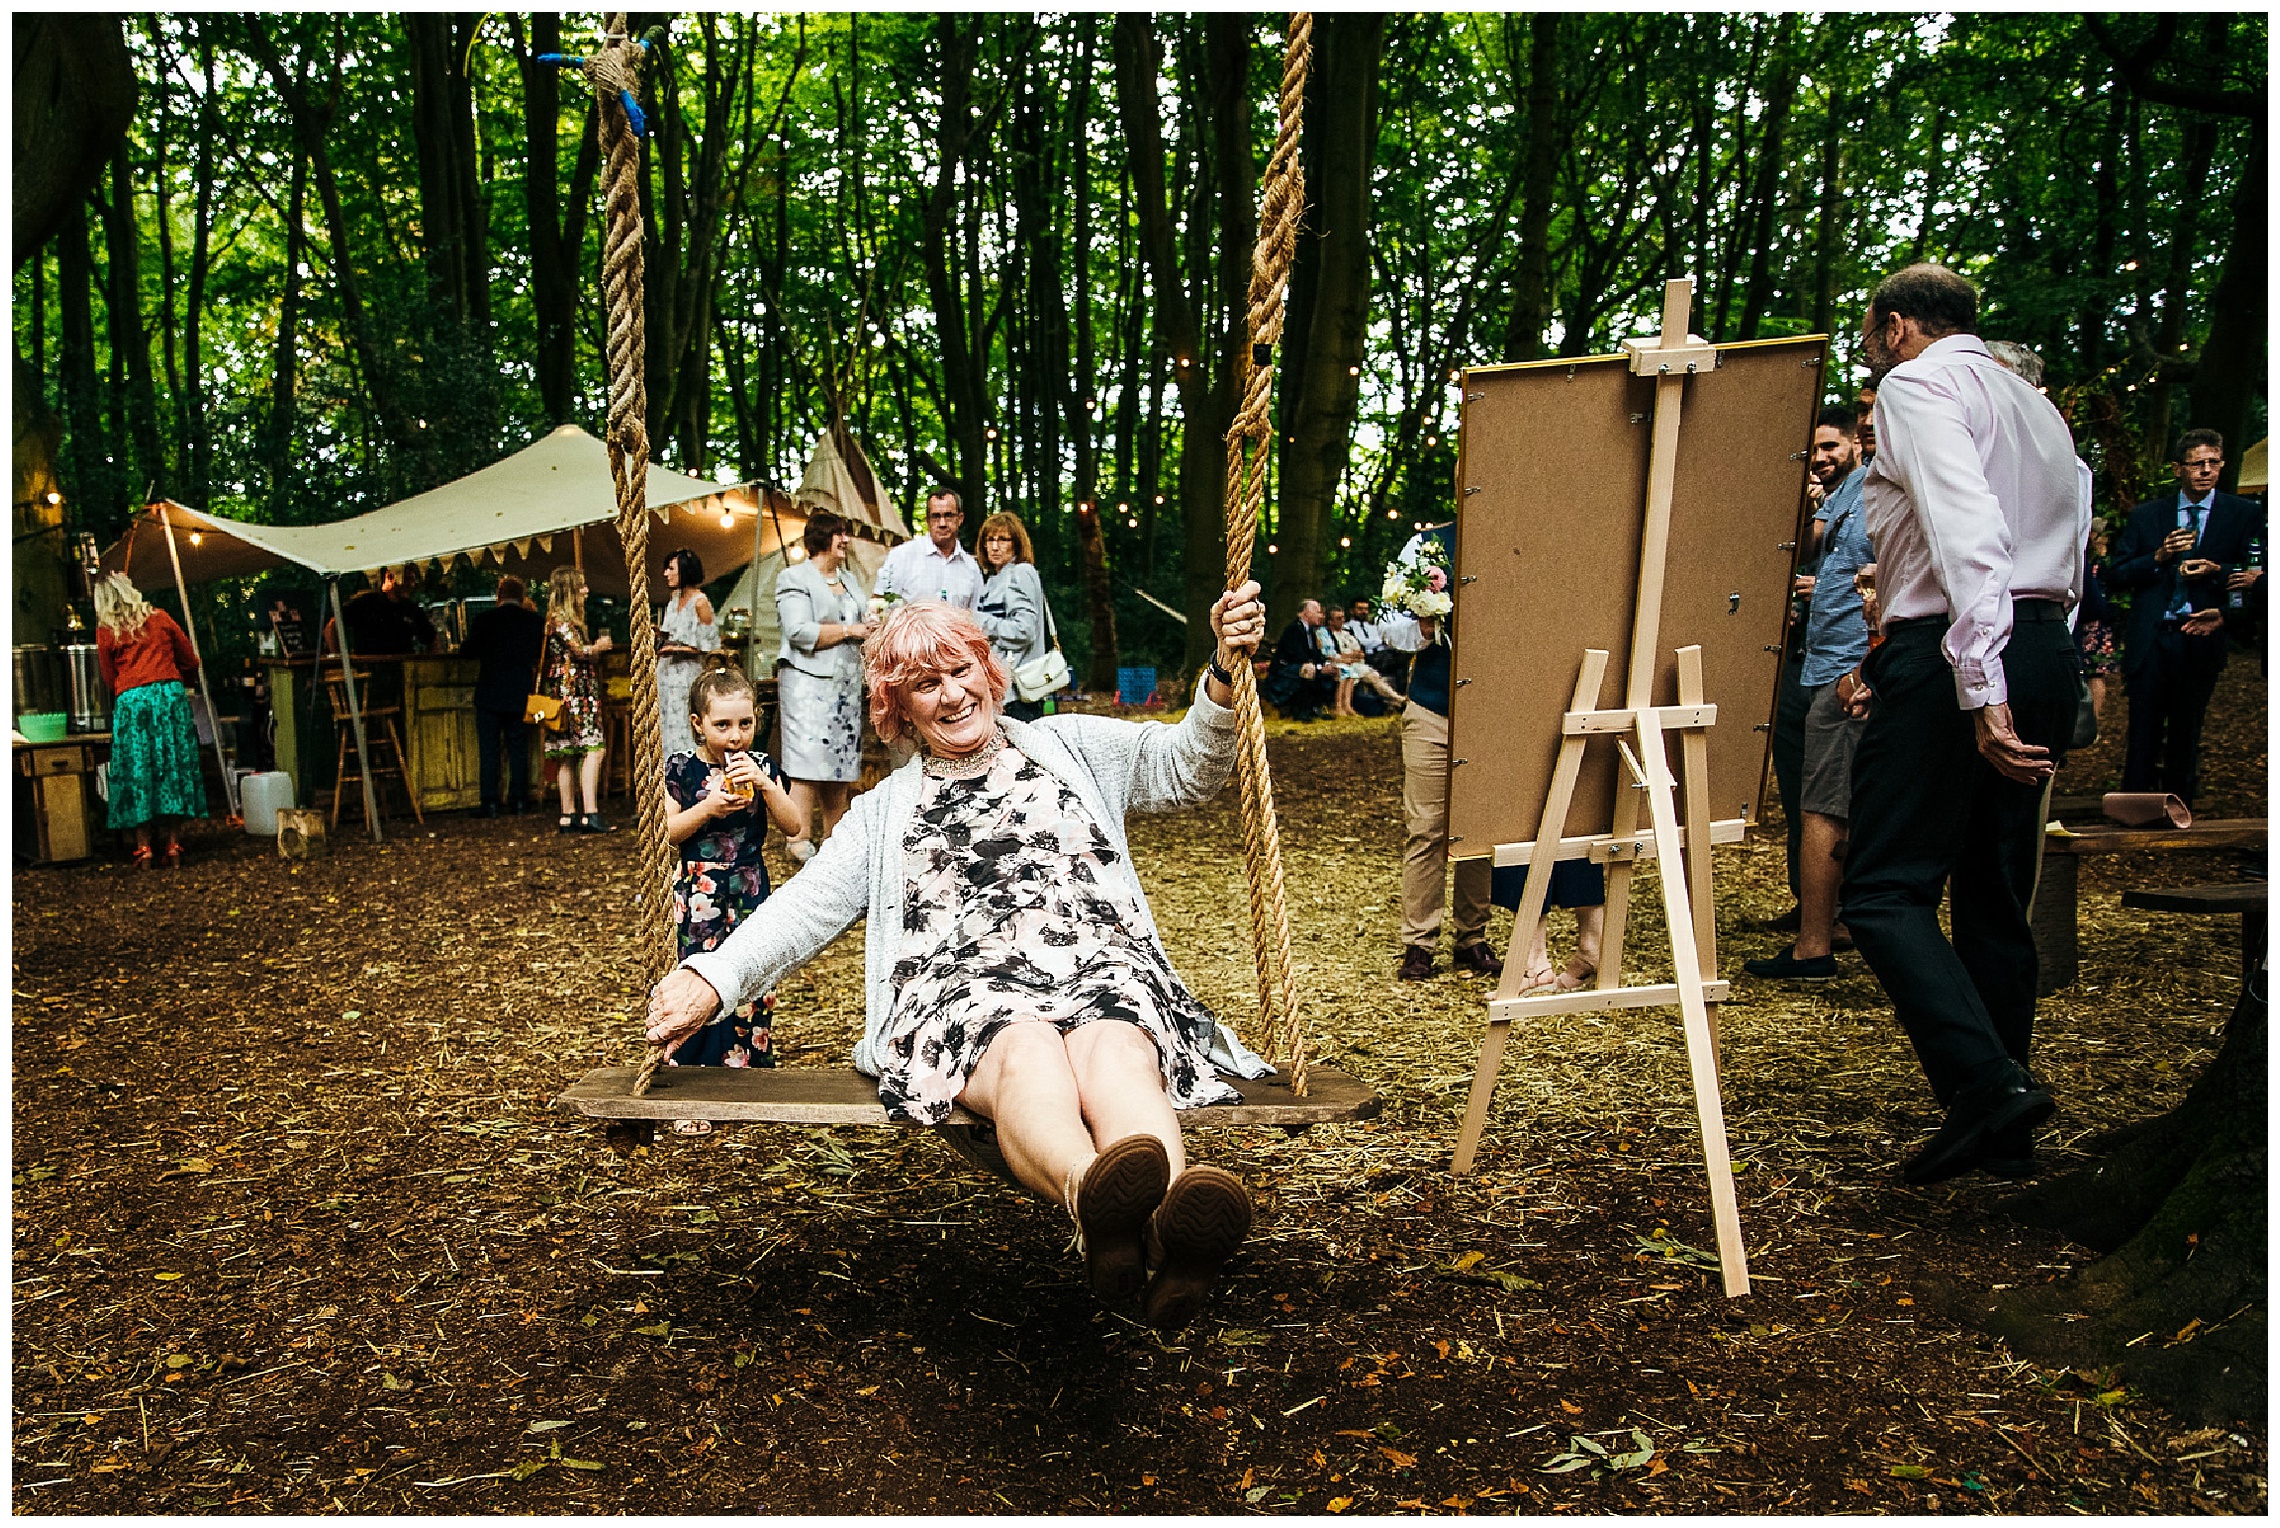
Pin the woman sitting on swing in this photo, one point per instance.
(1005, 923)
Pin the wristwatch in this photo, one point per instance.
(1221, 674)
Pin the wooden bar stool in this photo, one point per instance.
(381, 735)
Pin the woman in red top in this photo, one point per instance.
(155, 778)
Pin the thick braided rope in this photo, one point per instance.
(1248, 441)
(613, 70)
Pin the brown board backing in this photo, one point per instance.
(1552, 472)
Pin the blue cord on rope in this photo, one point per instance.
(633, 115)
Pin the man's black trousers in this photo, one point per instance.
(496, 732)
(2169, 695)
(1929, 812)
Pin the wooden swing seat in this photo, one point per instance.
(815, 1095)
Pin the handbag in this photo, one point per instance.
(539, 708)
(1046, 674)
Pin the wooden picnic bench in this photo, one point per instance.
(2243, 897)
(2057, 896)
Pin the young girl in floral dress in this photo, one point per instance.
(723, 797)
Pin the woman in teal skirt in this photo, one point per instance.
(146, 659)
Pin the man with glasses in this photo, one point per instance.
(2175, 554)
(1975, 506)
(935, 566)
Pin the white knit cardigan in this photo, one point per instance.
(1114, 766)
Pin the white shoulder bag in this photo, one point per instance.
(1048, 673)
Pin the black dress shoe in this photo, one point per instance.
(1978, 1117)
(1416, 963)
(1479, 958)
(1787, 967)
(487, 809)
(2010, 1155)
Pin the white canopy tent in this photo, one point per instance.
(550, 503)
(839, 478)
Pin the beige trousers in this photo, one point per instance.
(1425, 852)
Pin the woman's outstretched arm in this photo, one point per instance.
(782, 934)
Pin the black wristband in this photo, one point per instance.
(1221, 674)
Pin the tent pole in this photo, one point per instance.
(355, 711)
(205, 688)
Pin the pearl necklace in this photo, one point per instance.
(976, 763)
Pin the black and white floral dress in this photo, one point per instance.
(1012, 911)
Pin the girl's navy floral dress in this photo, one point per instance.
(722, 879)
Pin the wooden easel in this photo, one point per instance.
(1679, 835)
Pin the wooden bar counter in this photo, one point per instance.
(438, 725)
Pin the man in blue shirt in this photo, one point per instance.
(2174, 555)
(1836, 639)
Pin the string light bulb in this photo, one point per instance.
(728, 519)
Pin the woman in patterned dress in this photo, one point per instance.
(686, 632)
(1004, 925)
(145, 657)
(568, 673)
(825, 613)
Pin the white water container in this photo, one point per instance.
(262, 797)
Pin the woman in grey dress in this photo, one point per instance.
(1012, 607)
(685, 633)
(825, 613)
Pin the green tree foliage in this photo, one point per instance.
(344, 257)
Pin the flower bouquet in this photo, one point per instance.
(1418, 580)
(883, 602)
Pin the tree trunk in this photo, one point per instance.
(2105, 230)
(2199, 144)
(309, 126)
(198, 436)
(1757, 296)
(122, 248)
(39, 554)
(1327, 386)
(90, 478)
(964, 383)
(2232, 362)
(452, 233)
(74, 87)
(2179, 1207)
(1532, 278)
(1204, 391)
(557, 228)
(277, 435)
(1825, 231)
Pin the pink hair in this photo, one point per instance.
(923, 636)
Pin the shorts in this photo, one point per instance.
(1830, 738)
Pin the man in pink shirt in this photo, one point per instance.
(1975, 505)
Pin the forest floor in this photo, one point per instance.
(296, 1230)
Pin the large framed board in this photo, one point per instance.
(1552, 478)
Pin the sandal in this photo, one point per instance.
(140, 857)
(1196, 1230)
(692, 1127)
(174, 852)
(1572, 980)
(1111, 1205)
(566, 823)
(1538, 979)
(592, 823)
